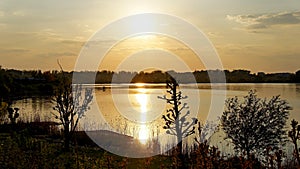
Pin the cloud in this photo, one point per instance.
(73, 42)
(266, 20)
(48, 34)
(14, 51)
(43, 34)
(214, 34)
(18, 13)
(56, 54)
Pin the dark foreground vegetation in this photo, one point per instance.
(34, 145)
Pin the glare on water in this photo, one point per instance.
(143, 133)
(142, 99)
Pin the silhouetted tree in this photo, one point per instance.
(294, 134)
(297, 75)
(5, 86)
(176, 121)
(255, 124)
(71, 107)
(6, 99)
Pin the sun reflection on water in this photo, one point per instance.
(143, 134)
(143, 102)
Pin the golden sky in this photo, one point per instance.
(258, 35)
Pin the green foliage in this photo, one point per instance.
(255, 124)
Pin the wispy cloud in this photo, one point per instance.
(48, 34)
(214, 35)
(56, 54)
(264, 21)
(43, 34)
(14, 51)
(19, 13)
(72, 42)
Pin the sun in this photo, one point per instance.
(142, 24)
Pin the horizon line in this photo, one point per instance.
(149, 71)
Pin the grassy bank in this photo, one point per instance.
(40, 145)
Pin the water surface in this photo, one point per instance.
(136, 110)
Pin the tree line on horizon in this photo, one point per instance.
(36, 82)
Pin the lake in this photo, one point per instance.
(136, 110)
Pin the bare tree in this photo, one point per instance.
(71, 105)
(255, 124)
(176, 121)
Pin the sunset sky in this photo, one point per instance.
(257, 35)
